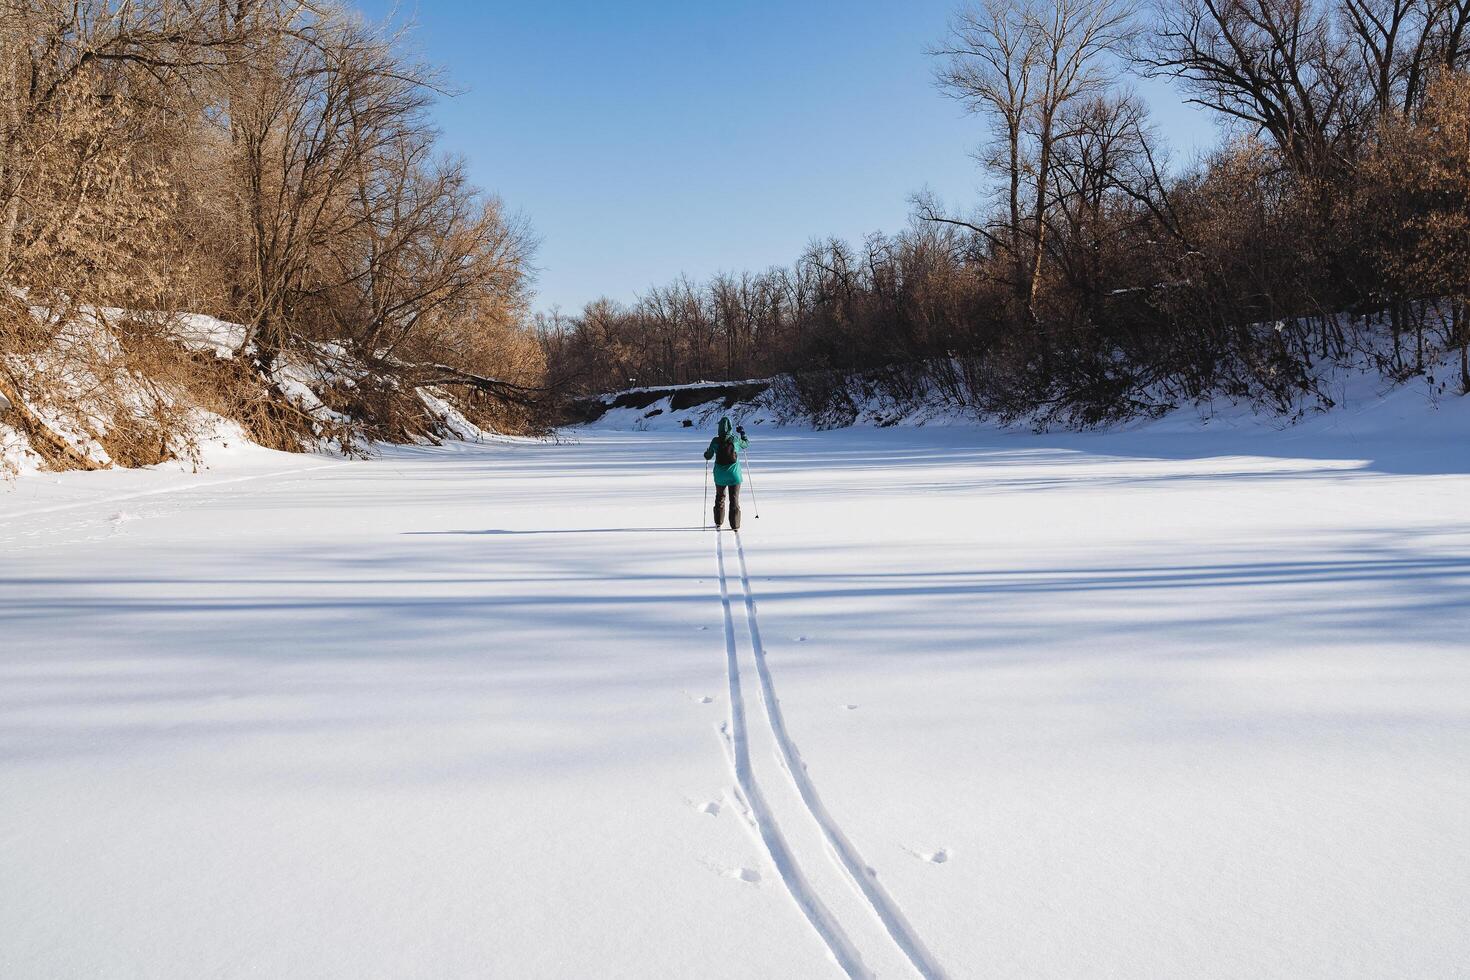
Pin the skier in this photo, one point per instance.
(725, 450)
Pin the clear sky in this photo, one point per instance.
(648, 138)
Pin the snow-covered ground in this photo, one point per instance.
(974, 703)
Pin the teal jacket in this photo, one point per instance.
(727, 476)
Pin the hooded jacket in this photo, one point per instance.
(727, 476)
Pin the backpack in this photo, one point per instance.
(725, 452)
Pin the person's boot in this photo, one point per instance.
(719, 517)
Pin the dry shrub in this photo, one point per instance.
(226, 387)
(1417, 182)
(125, 387)
(382, 409)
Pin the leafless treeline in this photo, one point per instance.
(1100, 279)
(835, 307)
(267, 161)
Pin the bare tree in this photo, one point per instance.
(1022, 66)
(1422, 169)
(314, 102)
(64, 55)
(1109, 185)
(1278, 66)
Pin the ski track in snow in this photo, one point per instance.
(759, 812)
(160, 491)
(839, 849)
(98, 521)
(858, 871)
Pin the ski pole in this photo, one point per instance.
(704, 518)
(750, 473)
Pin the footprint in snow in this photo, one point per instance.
(852, 707)
(704, 700)
(712, 808)
(940, 856)
(748, 875)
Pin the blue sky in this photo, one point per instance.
(648, 138)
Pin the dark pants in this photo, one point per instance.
(734, 506)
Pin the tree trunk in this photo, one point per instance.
(1038, 244)
(1396, 321)
(11, 87)
(1463, 331)
(8, 223)
(9, 182)
(57, 453)
(1017, 257)
(1419, 341)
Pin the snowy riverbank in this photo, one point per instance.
(1141, 703)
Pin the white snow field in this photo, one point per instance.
(961, 702)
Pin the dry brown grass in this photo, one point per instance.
(226, 387)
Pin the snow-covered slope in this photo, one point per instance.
(1354, 393)
(1186, 700)
(91, 386)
